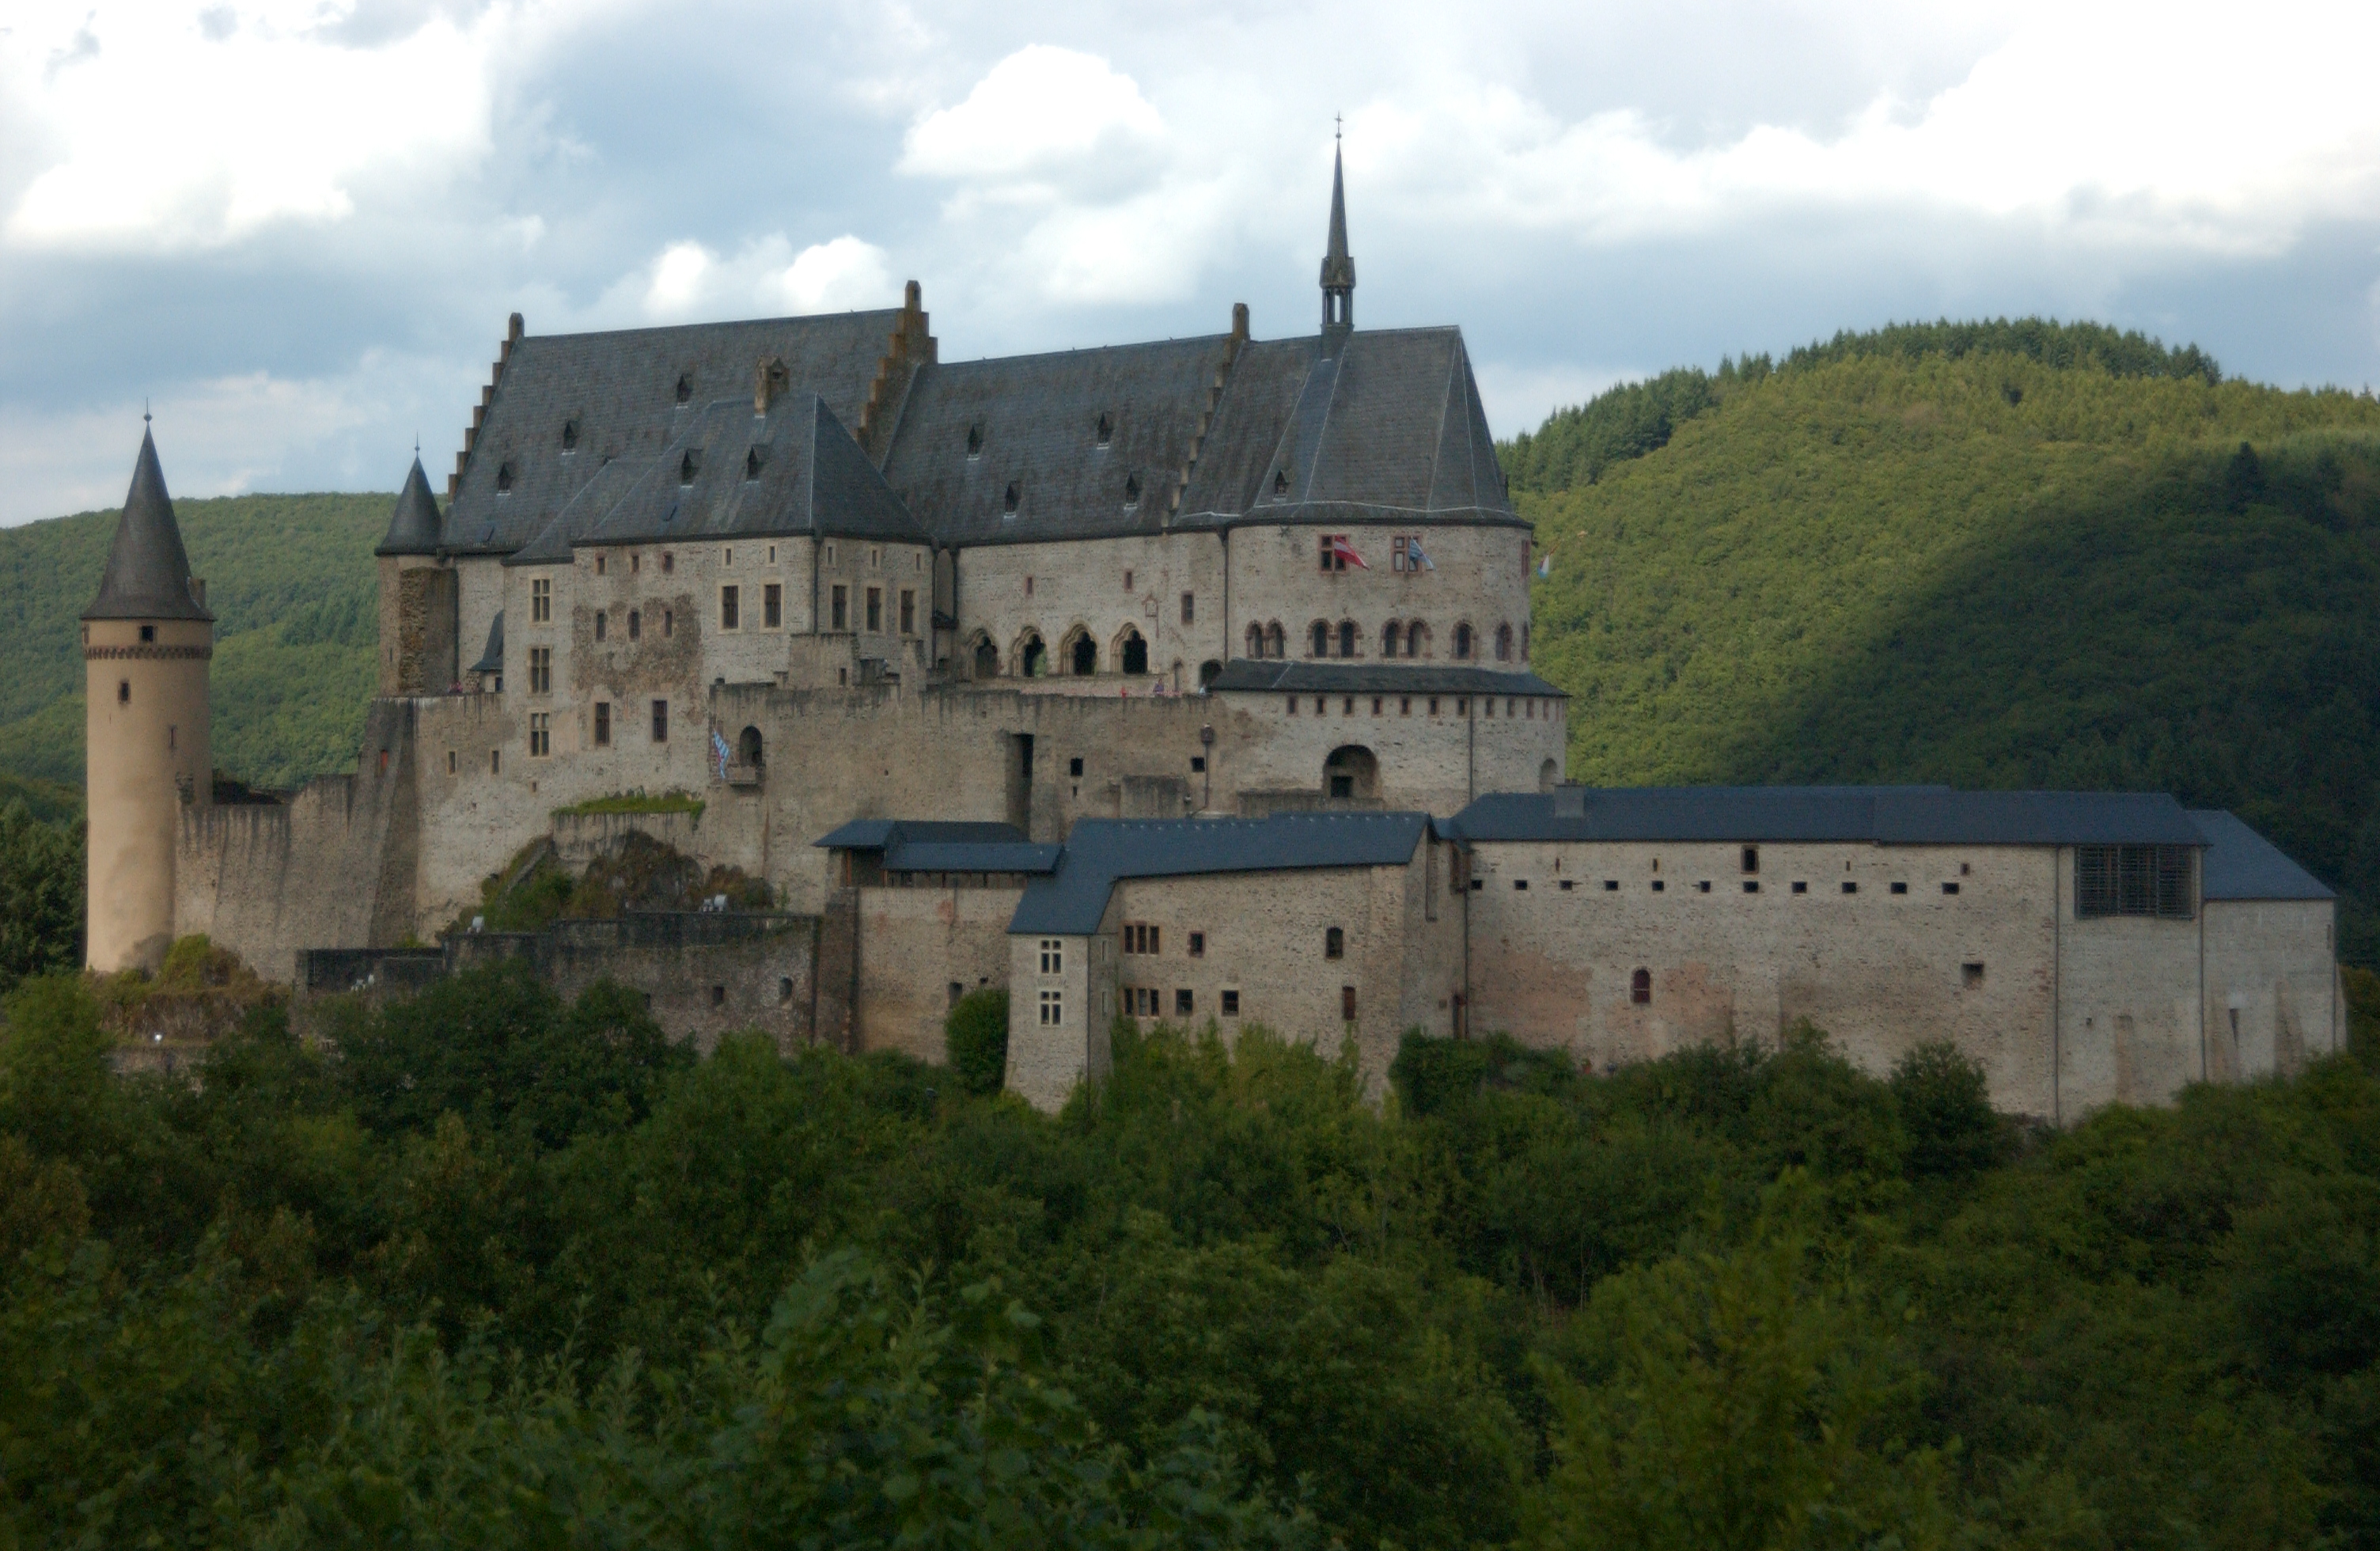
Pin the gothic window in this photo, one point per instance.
(1346, 637)
(1321, 640)
(1416, 639)
(1462, 643)
(1640, 987)
(1503, 643)
(1334, 943)
(1276, 640)
(1256, 640)
(1389, 638)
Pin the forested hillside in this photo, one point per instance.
(289, 578)
(2014, 554)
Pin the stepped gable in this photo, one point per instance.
(615, 396)
(413, 524)
(1390, 426)
(148, 575)
(1034, 422)
(731, 473)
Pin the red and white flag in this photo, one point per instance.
(1342, 551)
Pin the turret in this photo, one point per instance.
(146, 642)
(1338, 269)
(416, 596)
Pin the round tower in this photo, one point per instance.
(146, 642)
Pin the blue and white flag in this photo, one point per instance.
(719, 746)
(1545, 567)
(1416, 560)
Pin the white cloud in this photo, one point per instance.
(1040, 118)
(687, 280)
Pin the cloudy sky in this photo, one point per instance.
(297, 226)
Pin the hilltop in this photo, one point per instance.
(290, 580)
(1997, 555)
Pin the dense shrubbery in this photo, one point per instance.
(510, 1271)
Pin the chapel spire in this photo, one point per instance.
(1338, 269)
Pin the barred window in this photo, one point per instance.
(2135, 880)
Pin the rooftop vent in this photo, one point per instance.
(505, 477)
(690, 466)
(1008, 501)
(1279, 482)
(685, 387)
(1107, 429)
(570, 436)
(753, 460)
(1131, 489)
(975, 440)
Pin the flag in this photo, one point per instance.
(1416, 560)
(719, 746)
(1341, 550)
(1545, 567)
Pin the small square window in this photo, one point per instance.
(1971, 974)
(1197, 764)
(1611, 885)
(1183, 1003)
(1800, 887)
(1231, 1004)
(1075, 766)
(1704, 887)
(148, 634)
(1659, 886)
(1520, 885)
(1566, 885)
(718, 996)
(1477, 884)
(1850, 886)
(1752, 885)
(1899, 887)
(1949, 887)
(668, 561)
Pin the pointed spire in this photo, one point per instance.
(413, 526)
(1338, 268)
(148, 575)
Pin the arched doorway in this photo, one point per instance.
(1547, 775)
(1132, 652)
(1208, 671)
(1084, 656)
(748, 748)
(987, 659)
(1032, 656)
(1351, 774)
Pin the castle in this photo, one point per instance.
(1129, 679)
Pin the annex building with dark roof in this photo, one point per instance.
(1181, 680)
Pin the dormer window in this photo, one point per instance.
(1131, 489)
(505, 477)
(975, 440)
(688, 466)
(1106, 428)
(1279, 482)
(753, 459)
(570, 436)
(1008, 501)
(685, 388)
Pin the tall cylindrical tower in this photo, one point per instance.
(147, 640)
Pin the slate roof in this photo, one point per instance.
(915, 857)
(730, 474)
(879, 834)
(2240, 863)
(1101, 851)
(492, 660)
(148, 575)
(1877, 815)
(413, 524)
(1245, 675)
(617, 393)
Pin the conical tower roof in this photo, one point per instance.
(413, 526)
(148, 575)
(1338, 269)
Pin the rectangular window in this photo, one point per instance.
(909, 613)
(669, 563)
(495, 761)
(1231, 1004)
(727, 560)
(830, 554)
(1346, 1004)
(841, 607)
(598, 565)
(1127, 581)
(669, 622)
(1139, 937)
(1053, 1009)
(1028, 586)
(1053, 955)
(772, 606)
(449, 761)
(730, 607)
(876, 610)
(1189, 608)
(635, 561)
(2134, 880)
(541, 601)
(1752, 858)
(1183, 1002)
(603, 724)
(1334, 943)
(1197, 945)
(540, 669)
(540, 733)
(660, 722)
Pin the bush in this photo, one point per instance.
(1945, 1107)
(976, 1034)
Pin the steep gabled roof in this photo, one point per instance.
(1873, 815)
(972, 430)
(413, 524)
(2242, 865)
(729, 473)
(148, 575)
(616, 395)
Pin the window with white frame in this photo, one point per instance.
(1053, 955)
(1053, 1009)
